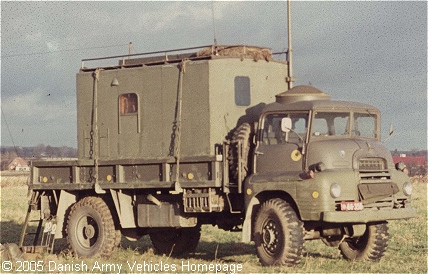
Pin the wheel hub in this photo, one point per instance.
(89, 231)
(270, 236)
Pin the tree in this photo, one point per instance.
(39, 151)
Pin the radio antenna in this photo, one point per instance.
(10, 133)
(130, 49)
(290, 79)
(212, 10)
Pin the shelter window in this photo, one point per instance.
(128, 104)
(242, 91)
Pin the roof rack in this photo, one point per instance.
(177, 55)
(125, 58)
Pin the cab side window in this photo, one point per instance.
(273, 135)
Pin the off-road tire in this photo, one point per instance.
(90, 228)
(278, 234)
(243, 134)
(369, 247)
(118, 238)
(176, 241)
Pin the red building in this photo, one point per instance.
(410, 160)
(416, 165)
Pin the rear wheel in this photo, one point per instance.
(176, 241)
(278, 234)
(369, 247)
(90, 228)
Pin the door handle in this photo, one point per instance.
(259, 153)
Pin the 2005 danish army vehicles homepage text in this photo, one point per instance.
(169, 143)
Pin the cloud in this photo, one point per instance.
(363, 51)
(174, 14)
(38, 104)
(38, 117)
(33, 36)
(52, 45)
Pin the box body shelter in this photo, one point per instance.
(139, 107)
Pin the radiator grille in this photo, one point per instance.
(371, 164)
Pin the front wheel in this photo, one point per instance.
(278, 234)
(369, 247)
(90, 228)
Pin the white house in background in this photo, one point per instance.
(18, 164)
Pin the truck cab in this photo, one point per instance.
(324, 161)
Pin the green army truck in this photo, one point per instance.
(173, 140)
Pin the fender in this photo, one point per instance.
(123, 204)
(247, 227)
(66, 199)
(281, 186)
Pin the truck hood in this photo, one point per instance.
(345, 153)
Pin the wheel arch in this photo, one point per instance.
(254, 205)
(68, 198)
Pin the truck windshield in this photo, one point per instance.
(338, 124)
(364, 125)
(330, 123)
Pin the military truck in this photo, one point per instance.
(169, 141)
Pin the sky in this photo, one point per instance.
(371, 52)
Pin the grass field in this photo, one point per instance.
(407, 249)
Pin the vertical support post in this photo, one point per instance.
(94, 131)
(240, 166)
(178, 136)
(130, 49)
(290, 79)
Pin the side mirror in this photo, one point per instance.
(286, 124)
(391, 130)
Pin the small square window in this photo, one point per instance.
(242, 91)
(128, 103)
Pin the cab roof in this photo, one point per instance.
(310, 98)
(331, 105)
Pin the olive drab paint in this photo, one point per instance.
(210, 109)
(178, 139)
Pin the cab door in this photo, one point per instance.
(279, 150)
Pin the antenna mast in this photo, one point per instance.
(290, 79)
(212, 10)
(130, 49)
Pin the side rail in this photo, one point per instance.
(204, 171)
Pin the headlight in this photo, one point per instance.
(400, 166)
(320, 166)
(335, 190)
(407, 188)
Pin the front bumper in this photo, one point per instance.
(367, 216)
